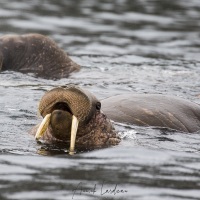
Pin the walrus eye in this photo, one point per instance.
(98, 106)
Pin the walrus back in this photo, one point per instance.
(153, 110)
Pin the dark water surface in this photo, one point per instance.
(138, 46)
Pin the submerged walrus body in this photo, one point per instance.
(153, 110)
(35, 53)
(73, 116)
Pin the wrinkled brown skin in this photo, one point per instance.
(37, 54)
(153, 110)
(94, 131)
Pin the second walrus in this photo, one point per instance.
(37, 54)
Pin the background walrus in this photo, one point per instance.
(35, 53)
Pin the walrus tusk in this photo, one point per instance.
(74, 129)
(43, 127)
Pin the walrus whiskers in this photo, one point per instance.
(76, 120)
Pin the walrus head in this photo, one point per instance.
(71, 113)
(35, 53)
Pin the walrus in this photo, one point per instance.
(37, 54)
(157, 110)
(74, 116)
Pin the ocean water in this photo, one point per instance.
(123, 46)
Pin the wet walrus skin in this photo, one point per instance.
(153, 110)
(35, 53)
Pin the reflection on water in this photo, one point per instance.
(139, 46)
(143, 173)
